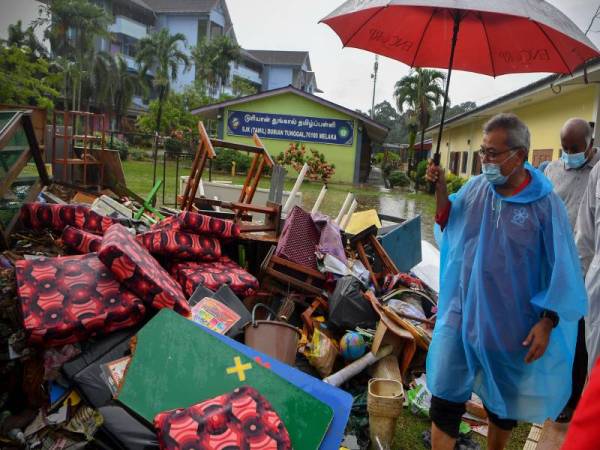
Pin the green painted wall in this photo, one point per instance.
(343, 156)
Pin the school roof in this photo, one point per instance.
(547, 86)
(376, 131)
(281, 57)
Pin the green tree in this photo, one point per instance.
(25, 80)
(161, 53)
(417, 94)
(213, 62)
(241, 87)
(72, 27)
(26, 38)
(116, 85)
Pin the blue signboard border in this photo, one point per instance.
(349, 123)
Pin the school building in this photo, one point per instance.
(290, 115)
(544, 106)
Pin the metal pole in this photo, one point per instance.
(177, 179)
(155, 156)
(374, 76)
(164, 176)
(457, 18)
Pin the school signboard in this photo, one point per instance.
(291, 127)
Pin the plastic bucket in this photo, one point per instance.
(384, 404)
(276, 339)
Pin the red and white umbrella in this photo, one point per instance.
(491, 37)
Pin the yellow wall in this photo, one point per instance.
(544, 119)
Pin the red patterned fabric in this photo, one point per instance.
(181, 245)
(140, 272)
(299, 239)
(243, 419)
(213, 275)
(37, 216)
(200, 224)
(80, 241)
(67, 300)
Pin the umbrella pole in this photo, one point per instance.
(437, 156)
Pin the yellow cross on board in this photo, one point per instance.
(239, 368)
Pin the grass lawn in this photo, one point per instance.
(409, 432)
(138, 175)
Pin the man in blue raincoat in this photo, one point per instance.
(511, 293)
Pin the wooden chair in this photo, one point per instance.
(291, 275)
(366, 243)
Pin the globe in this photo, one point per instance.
(352, 346)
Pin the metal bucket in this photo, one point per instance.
(274, 338)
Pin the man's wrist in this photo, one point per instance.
(551, 317)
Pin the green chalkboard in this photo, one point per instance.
(177, 364)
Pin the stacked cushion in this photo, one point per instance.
(180, 245)
(80, 241)
(132, 265)
(67, 300)
(200, 224)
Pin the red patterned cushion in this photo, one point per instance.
(200, 224)
(213, 275)
(66, 300)
(139, 271)
(37, 216)
(80, 241)
(181, 245)
(243, 419)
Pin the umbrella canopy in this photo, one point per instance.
(494, 37)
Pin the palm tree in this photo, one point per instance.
(26, 38)
(417, 94)
(213, 62)
(160, 52)
(115, 85)
(72, 28)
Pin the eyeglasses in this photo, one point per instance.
(492, 154)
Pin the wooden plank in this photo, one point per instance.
(249, 176)
(35, 149)
(254, 184)
(297, 267)
(235, 146)
(10, 129)
(259, 143)
(111, 161)
(288, 280)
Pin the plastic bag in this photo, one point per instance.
(321, 353)
(348, 308)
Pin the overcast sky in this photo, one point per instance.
(345, 74)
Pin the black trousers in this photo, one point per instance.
(580, 364)
(447, 415)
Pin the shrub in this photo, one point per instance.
(399, 178)
(318, 167)
(120, 145)
(173, 145)
(454, 183)
(225, 157)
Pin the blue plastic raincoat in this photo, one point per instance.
(504, 260)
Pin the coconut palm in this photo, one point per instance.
(115, 85)
(26, 38)
(160, 52)
(213, 62)
(417, 94)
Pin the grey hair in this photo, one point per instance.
(517, 133)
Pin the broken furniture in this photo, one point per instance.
(22, 170)
(373, 256)
(76, 136)
(243, 207)
(289, 274)
(148, 203)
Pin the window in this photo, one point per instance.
(202, 29)
(476, 165)
(216, 30)
(454, 162)
(465, 158)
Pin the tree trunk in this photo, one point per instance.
(412, 137)
(421, 149)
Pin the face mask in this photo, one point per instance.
(493, 173)
(573, 161)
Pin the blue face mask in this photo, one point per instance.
(493, 172)
(573, 161)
